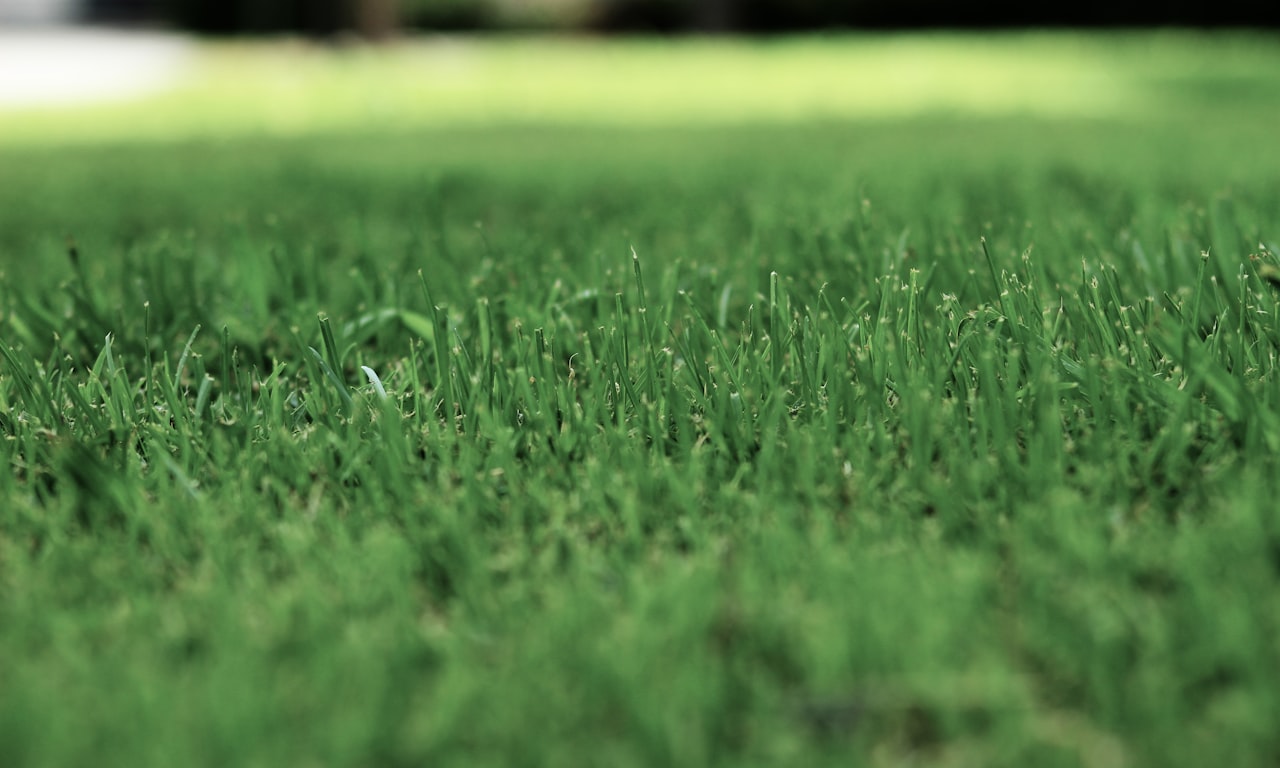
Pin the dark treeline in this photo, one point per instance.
(381, 17)
(786, 15)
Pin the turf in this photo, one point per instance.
(941, 436)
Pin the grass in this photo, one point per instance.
(938, 438)
(297, 89)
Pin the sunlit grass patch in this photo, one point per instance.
(293, 88)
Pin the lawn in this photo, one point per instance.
(825, 401)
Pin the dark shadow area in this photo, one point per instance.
(379, 18)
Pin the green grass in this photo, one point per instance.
(296, 89)
(934, 436)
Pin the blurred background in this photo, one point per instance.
(383, 18)
(146, 69)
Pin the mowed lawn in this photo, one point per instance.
(822, 401)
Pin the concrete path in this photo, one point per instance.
(51, 66)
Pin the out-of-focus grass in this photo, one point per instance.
(293, 88)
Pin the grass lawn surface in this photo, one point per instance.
(849, 401)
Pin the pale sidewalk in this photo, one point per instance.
(52, 66)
